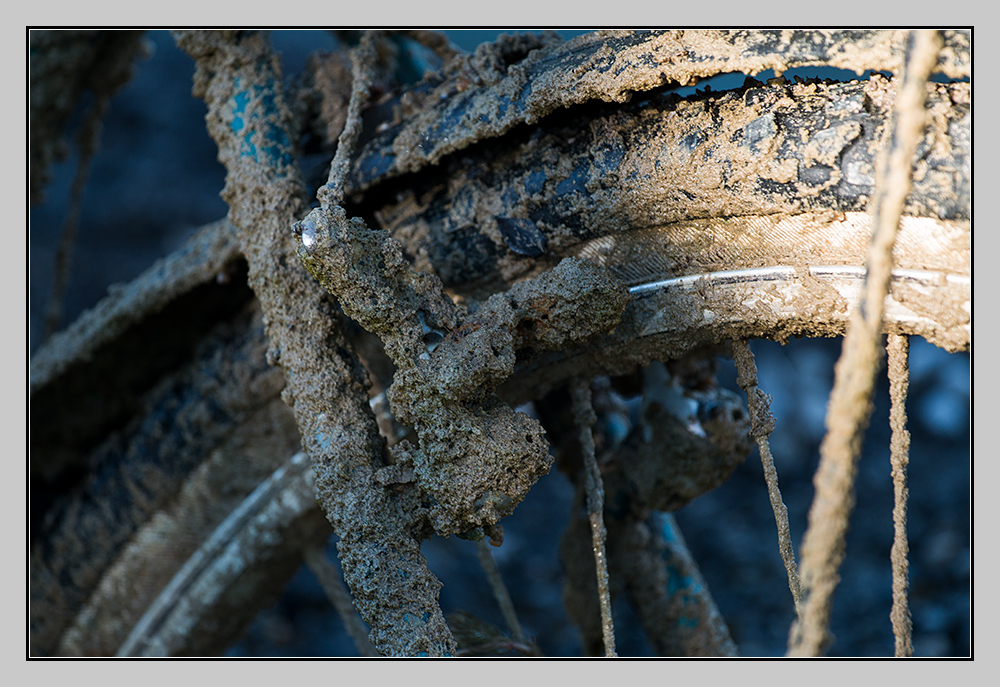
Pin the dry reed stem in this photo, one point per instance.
(850, 401)
(761, 425)
(337, 592)
(500, 592)
(899, 381)
(583, 412)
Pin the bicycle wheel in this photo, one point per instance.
(807, 295)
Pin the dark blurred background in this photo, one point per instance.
(155, 180)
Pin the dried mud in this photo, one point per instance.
(477, 457)
(760, 154)
(612, 66)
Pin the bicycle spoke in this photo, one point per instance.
(500, 592)
(583, 221)
(899, 381)
(340, 597)
(761, 425)
(583, 412)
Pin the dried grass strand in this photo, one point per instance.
(363, 61)
(87, 141)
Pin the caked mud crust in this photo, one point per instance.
(477, 457)
(779, 303)
(468, 104)
(764, 153)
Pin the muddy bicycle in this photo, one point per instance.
(720, 217)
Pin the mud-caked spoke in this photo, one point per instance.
(898, 348)
(761, 425)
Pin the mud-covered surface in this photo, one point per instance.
(95, 372)
(141, 469)
(238, 569)
(612, 66)
(477, 457)
(238, 76)
(152, 556)
(487, 217)
(730, 530)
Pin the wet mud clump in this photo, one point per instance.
(477, 457)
